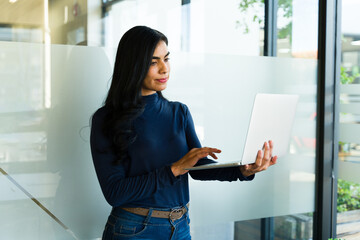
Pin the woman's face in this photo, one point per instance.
(158, 74)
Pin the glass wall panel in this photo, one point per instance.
(49, 92)
(197, 26)
(47, 175)
(280, 191)
(297, 35)
(200, 26)
(54, 140)
(17, 209)
(297, 28)
(348, 203)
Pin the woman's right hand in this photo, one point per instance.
(191, 158)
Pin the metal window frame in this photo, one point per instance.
(329, 50)
(270, 49)
(270, 38)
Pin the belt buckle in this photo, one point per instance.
(174, 211)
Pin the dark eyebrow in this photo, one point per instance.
(159, 58)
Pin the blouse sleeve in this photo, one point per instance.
(117, 188)
(221, 174)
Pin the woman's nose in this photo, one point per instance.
(164, 67)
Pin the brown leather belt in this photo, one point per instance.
(174, 214)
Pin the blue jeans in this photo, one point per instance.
(125, 225)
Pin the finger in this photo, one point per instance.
(267, 158)
(271, 144)
(273, 160)
(266, 149)
(204, 153)
(267, 155)
(196, 151)
(209, 149)
(201, 154)
(213, 155)
(259, 159)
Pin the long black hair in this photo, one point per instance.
(123, 102)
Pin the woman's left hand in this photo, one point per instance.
(263, 161)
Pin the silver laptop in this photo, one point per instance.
(271, 119)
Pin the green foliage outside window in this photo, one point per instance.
(348, 196)
(284, 5)
(348, 192)
(346, 78)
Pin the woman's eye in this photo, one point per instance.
(153, 63)
(167, 59)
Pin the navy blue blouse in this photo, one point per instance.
(165, 133)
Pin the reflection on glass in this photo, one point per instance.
(251, 21)
(348, 205)
(349, 145)
(297, 28)
(295, 226)
(250, 230)
(22, 21)
(236, 29)
(46, 150)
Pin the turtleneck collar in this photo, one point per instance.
(153, 98)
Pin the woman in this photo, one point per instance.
(141, 143)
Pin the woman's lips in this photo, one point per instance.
(162, 80)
